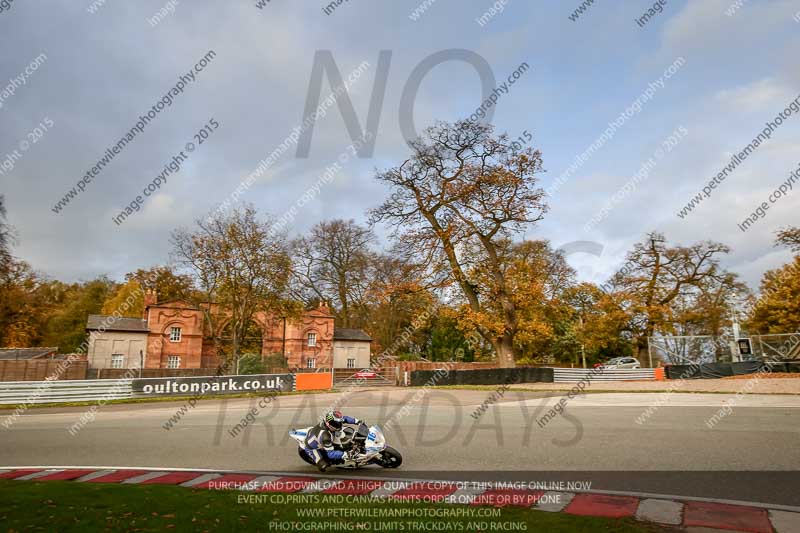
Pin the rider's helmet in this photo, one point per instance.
(333, 420)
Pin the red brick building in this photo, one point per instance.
(177, 336)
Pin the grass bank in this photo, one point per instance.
(69, 506)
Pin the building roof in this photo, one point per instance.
(350, 334)
(26, 353)
(110, 323)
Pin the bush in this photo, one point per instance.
(251, 363)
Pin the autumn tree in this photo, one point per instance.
(536, 277)
(66, 326)
(660, 284)
(241, 263)
(331, 264)
(167, 283)
(453, 204)
(599, 321)
(35, 310)
(129, 296)
(128, 300)
(777, 308)
(19, 323)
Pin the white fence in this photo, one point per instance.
(57, 391)
(573, 375)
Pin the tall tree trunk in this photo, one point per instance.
(505, 351)
(643, 354)
(643, 347)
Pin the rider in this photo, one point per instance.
(324, 441)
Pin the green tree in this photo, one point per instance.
(251, 363)
(447, 342)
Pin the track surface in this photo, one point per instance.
(751, 455)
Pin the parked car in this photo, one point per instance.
(620, 362)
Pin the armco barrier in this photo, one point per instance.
(573, 375)
(33, 392)
(15, 393)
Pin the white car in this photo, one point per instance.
(621, 362)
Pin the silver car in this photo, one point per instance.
(621, 362)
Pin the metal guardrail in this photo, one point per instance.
(572, 375)
(16, 393)
(62, 391)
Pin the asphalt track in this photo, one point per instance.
(752, 454)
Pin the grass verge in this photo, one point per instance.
(69, 506)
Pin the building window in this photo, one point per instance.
(117, 360)
(175, 335)
(173, 361)
(351, 363)
(312, 339)
(311, 363)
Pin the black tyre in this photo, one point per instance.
(304, 456)
(389, 458)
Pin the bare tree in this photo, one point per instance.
(240, 263)
(6, 238)
(789, 237)
(660, 283)
(454, 203)
(331, 265)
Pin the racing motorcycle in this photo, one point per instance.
(368, 443)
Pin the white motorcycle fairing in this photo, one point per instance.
(373, 446)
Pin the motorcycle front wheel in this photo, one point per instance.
(389, 458)
(304, 456)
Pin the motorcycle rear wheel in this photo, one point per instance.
(389, 458)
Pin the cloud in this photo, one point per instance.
(763, 95)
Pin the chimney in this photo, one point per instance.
(150, 298)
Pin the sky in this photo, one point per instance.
(698, 81)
